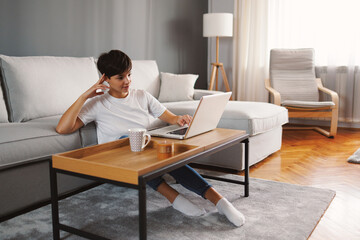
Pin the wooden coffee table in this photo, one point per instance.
(114, 163)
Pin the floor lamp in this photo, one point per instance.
(218, 25)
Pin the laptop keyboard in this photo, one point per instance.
(181, 131)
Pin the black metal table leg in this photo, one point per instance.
(54, 203)
(246, 141)
(142, 209)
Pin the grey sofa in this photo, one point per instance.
(35, 91)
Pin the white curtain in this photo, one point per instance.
(328, 26)
(250, 64)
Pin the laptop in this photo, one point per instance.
(206, 118)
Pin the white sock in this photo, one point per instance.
(232, 214)
(186, 207)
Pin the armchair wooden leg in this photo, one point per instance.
(318, 129)
(323, 132)
(334, 121)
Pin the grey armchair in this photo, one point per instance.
(293, 84)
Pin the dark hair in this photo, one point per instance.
(113, 63)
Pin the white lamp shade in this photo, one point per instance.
(218, 25)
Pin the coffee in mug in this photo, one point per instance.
(165, 149)
(138, 138)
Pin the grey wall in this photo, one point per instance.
(168, 31)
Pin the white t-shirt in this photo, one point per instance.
(114, 116)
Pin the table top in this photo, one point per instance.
(115, 161)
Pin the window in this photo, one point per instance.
(331, 27)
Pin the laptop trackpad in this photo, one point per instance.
(181, 131)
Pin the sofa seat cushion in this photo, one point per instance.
(26, 142)
(254, 117)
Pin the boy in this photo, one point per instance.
(121, 108)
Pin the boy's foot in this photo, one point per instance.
(186, 207)
(232, 214)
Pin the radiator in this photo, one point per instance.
(346, 82)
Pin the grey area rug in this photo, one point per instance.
(355, 158)
(273, 210)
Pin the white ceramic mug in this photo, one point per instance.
(137, 138)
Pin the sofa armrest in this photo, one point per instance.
(198, 93)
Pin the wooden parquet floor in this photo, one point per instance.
(308, 158)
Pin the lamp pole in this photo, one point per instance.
(217, 49)
(215, 71)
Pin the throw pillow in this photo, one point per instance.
(177, 87)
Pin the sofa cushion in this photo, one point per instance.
(177, 87)
(44, 86)
(145, 75)
(3, 111)
(254, 117)
(24, 142)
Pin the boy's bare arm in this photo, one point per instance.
(70, 122)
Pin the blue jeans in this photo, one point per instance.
(188, 178)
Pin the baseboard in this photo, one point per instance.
(323, 123)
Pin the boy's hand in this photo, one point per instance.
(91, 92)
(171, 118)
(184, 119)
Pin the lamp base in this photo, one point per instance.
(214, 73)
